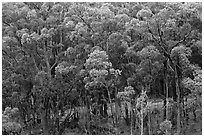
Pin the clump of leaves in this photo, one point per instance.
(10, 123)
(126, 94)
(166, 126)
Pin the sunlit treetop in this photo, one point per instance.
(145, 13)
(32, 14)
(98, 59)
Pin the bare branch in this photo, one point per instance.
(183, 40)
(56, 60)
(6, 23)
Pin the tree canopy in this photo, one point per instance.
(62, 58)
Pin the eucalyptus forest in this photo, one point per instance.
(102, 68)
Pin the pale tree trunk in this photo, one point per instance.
(166, 83)
(142, 119)
(167, 98)
(117, 112)
(111, 106)
(142, 126)
(131, 117)
(167, 92)
(148, 114)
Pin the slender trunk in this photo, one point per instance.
(141, 112)
(149, 123)
(127, 120)
(111, 107)
(105, 109)
(183, 114)
(88, 117)
(165, 108)
(45, 112)
(178, 104)
(186, 112)
(166, 88)
(131, 117)
(47, 60)
(166, 84)
(167, 101)
(117, 112)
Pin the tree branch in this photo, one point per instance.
(33, 4)
(56, 60)
(165, 53)
(6, 23)
(184, 38)
(10, 56)
(81, 17)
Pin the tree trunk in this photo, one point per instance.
(142, 127)
(165, 88)
(142, 118)
(117, 110)
(105, 109)
(178, 105)
(186, 112)
(45, 115)
(131, 119)
(88, 116)
(149, 123)
(167, 101)
(167, 92)
(47, 61)
(127, 120)
(109, 97)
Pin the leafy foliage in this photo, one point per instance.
(10, 121)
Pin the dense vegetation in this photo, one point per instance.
(101, 68)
